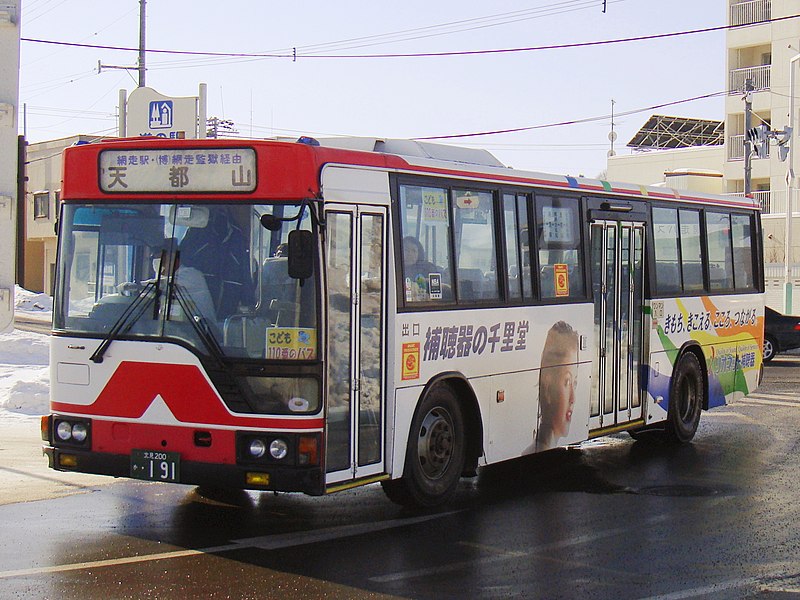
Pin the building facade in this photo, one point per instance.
(760, 53)
(42, 193)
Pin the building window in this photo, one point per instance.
(41, 205)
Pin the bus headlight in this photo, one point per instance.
(64, 431)
(75, 432)
(257, 448)
(278, 449)
(79, 432)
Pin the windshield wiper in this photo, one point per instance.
(206, 335)
(130, 315)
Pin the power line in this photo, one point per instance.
(295, 56)
(406, 35)
(571, 122)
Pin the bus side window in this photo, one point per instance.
(425, 244)
(476, 252)
(561, 269)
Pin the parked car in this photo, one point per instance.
(781, 333)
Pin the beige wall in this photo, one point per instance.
(648, 168)
(43, 170)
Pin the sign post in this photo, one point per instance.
(145, 112)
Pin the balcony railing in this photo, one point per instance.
(745, 13)
(760, 75)
(772, 201)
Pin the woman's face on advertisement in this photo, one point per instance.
(563, 397)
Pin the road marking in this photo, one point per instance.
(267, 542)
(469, 564)
(729, 415)
(776, 396)
(114, 561)
(287, 540)
(756, 401)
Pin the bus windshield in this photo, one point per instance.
(208, 275)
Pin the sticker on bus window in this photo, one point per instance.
(561, 276)
(434, 205)
(291, 343)
(435, 285)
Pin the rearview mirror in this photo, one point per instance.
(301, 254)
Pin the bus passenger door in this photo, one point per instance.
(355, 264)
(617, 289)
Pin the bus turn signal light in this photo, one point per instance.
(257, 479)
(67, 460)
(308, 450)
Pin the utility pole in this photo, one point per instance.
(142, 25)
(791, 188)
(748, 146)
(142, 50)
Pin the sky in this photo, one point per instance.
(332, 88)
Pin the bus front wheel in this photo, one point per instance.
(685, 399)
(434, 453)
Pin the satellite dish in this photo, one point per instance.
(612, 136)
(611, 153)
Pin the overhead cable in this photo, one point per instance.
(295, 56)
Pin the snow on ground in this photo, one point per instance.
(24, 362)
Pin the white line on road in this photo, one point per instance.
(268, 542)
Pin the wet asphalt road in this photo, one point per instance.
(718, 518)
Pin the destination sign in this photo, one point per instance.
(187, 171)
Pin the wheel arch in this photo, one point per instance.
(473, 421)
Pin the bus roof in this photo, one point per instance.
(290, 170)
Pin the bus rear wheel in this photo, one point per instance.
(685, 399)
(434, 455)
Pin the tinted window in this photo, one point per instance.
(665, 242)
(425, 246)
(476, 254)
(720, 255)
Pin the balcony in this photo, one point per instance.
(736, 148)
(772, 202)
(760, 75)
(754, 11)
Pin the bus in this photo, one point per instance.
(316, 315)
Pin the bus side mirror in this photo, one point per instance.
(301, 254)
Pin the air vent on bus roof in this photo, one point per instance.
(473, 156)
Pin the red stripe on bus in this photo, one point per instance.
(134, 387)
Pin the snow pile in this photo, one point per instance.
(24, 360)
(33, 305)
(24, 373)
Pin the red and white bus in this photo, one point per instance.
(304, 317)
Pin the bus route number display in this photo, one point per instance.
(171, 170)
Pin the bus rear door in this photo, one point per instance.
(618, 284)
(355, 257)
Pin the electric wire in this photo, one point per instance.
(495, 51)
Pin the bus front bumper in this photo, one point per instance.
(308, 480)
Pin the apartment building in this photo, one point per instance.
(760, 53)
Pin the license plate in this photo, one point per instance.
(155, 465)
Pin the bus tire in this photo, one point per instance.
(685, 399)
(434, 454)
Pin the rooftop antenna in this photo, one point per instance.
(612, 135)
